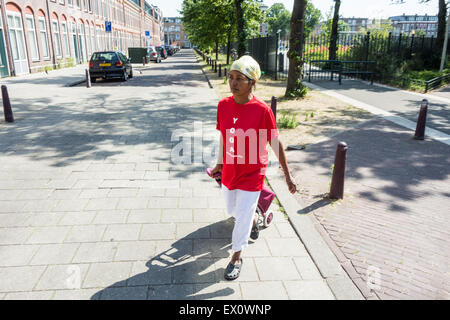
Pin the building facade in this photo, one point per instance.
(174, 33)
(413, 24)
(355, 24)
(40, 34)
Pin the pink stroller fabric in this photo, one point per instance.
(265, 199)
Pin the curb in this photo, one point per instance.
(73, 84)
(329, 267)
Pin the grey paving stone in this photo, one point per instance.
(216, 203)
(94, 193)
(172, 251)
(9, 194)
(75, 294)
(12, 206)
(68, 276)
(171, 292)
(33, 295)
(34, 194)
(132, 203)
(77, 218)
(217, 291)
(287, 247)
(267, 290)
(54, 254)
(152, 192)
(43, 235)
(85, 233)
(122, 232)
(209, 215)
(307, 268)
(308, 290)
(125, 293)
(110, 274)
(156, 175)
(14, 279)
(71, 205)
(111, 216)
(146, 166)
(88, 184)
(144, 216)
(163, 203)
(65, 194)
(160, 184)
(257, 248)
(102, 204)
(122, 193)
(40, 205)
(276, 268)
(216, 248)
(95, 252)
(285, 230)
(135, 250)
(42, 219)
(157, 231)
(192, 231)
(16, 255)
(194, 270)
(153, 272)
(193, 203)
(13, 219)
(181, 193)
(176, 215)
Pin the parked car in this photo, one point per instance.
(110, 64)
(162, 52)
(169, 50)
(154, 54)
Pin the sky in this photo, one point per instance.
(348, 9)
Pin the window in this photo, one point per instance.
(56, 38)
(65, 38)
(62, 1)
(178, 36)
(31, 30)
(79, 4)
(43, 36)
(16, 35)
(177, 29)
(70, 3)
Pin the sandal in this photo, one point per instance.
(233, 270)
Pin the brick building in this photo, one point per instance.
(174, 33)
(411, 24)
(38, 34)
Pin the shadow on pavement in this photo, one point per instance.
(181, 264)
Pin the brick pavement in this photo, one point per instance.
(91, 206)
(391, 230)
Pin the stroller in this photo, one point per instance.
(265, 199)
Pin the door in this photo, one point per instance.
(3, 60)
(73, 30)
(17, 42)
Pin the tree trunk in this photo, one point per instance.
(334, 31)
(229, 45)
(442, 15)
(217, 49)
(295, 54)
(241, 34)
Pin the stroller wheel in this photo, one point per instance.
(268, 219)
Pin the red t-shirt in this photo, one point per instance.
(246, 129)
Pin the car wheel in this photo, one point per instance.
(125, 75)
(93, 80)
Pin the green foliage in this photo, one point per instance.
(287, 120)
(312, 18)
(278, 18)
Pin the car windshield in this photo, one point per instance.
(104, 56)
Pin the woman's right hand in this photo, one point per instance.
(217, 169)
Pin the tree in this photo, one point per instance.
(312, 18)
(241, 30)
(334, 31)
(294, 87)
(278, 18)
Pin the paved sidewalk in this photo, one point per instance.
(92, 206)
(391, 230)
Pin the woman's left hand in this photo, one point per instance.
(291, 183)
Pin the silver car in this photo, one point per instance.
(154, 54)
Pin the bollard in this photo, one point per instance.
(273, 106)
(215, 66)
(7, 105)
(225, 72)
(420, 128)
(220, 70)
(337, 181)
(88, 79)
(143, 61)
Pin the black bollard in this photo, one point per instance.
(225, 72)
(143, 61)
(215, 66)
(7, 105)
(88, 79)
(420, 128)
(220, 70)
(337, 181)
(273, 106)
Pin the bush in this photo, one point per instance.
(287, 120)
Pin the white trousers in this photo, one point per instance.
(242, 206)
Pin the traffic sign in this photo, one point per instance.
(107, 26)
(263, 29)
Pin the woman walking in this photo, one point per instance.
(246, 125)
